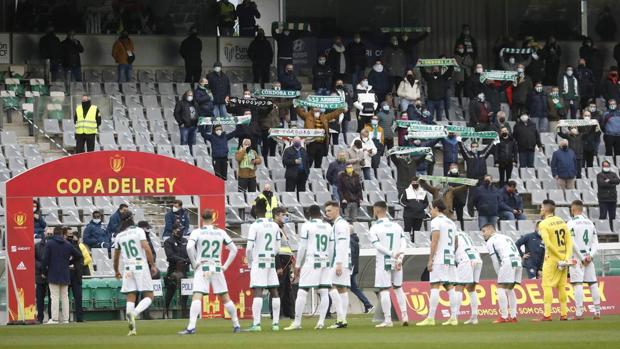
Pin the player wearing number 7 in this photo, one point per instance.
(585, 245)
(558, 251)
(204, 249)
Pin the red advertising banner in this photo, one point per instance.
(529, 299)
(238, 280)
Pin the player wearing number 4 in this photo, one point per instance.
(390, 241)
(558, 251)
(132, 245)
(585, 245)
(507, 265)
(204, 249)
(312, 266)
(263, 245)
(441, 263)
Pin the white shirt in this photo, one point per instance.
(444, 254)
(389, 240)
(504, 249)
(342, 237)
(207, 243)
(316, 244)
(263, 243)
(585, 240)
(129, 242)
(465, 250)
(367, 146)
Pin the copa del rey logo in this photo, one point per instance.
(19, 218)
(117, 162)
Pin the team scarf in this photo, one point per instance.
(413, 151)
(437, 62)
(296, 132)
(250, 102)
(498, 75)
(479, 135)
(577, 123)
(231, 120)
(407, 123)
(426, 135)
(456, 180)
(290, 26)
(321, 102)
(406, 30)
(270, 93)
(455, 128)
(517, 51)
(426, 128)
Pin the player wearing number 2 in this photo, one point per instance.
(204, 249)
(585, 245)
(132, 245)
(263, 245)
(558, 251)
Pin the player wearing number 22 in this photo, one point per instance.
(558, 251)
(204, 249)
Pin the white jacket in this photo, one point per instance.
(365, 97)
(409, 92)
(369, 149)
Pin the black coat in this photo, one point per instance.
(50, 48)
(405, 171)
(473, 86)
(586, 80)
(71, 53)
(610, 90)
(356, 56)
(607, 189)
(527, 136)
(39, 252)
(288, 160)
(285, 43)
(204, 100)
(56, 260)
(176, 255)
(190, 50)
(436, 86)
(289, 81)
(537, 105)
(413, 208)
(350, 187)
(506, 150)
(220, 86)
(354, 244)
(260, 52)
(321, 76)
(186, 113)
(476, 161)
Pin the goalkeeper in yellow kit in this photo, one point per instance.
(558, 251)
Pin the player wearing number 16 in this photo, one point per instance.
(558, 251)
(204, 249)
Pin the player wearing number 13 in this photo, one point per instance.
(558, 251)
(204, 249)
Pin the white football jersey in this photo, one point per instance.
(584, 235)
(342, 238)
(319, 241)
(210, 241)
(445, 246)
(129, 242)
(265, 234)
(391, 237)
(505, 249)
(465, 250)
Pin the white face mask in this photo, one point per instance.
(569, 72)
(96, 221)
(524, 118)
(534, 55)
(364, 139)
(277, 88)
(394, 42)
(606, 169)
(539, 89)
(218, 132)
(479, 70)
(378, 68)
(454, 170)
(364, 83)
(511, 60)
(386, 107)
(321, 61)
(374, 122)
(592, 109)
(460, 50)
(247, 96)
(175, 209)
(357, 40)
(520, 70)
(317, 114)
(217, 69)
(190, 98)
(481, 97)
(586, 117)
(612, 107)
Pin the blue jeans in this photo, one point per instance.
(124, 72)
(435, 107)
(484, 220)
(404, 104)
(73, 74)
(219, 111)
(358, 293)
(542, 124)
(188, 136)
(526, 159)
(335, 195)
(572, 108)
(367, 172)
(510, 216)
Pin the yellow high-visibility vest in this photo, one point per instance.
(86, 124)
(270, 205)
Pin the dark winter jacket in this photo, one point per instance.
(506, 150)
(380, 82)
(479, 112)
(521, 91)
(476, 161)
(450, 148)
(50, 48)
(176, 255)
(535, 247)
(180, 217)
(575, 142)
(350, 187)
(469, 43)
(259, 108)
(586, 80)
(333, 170)
(289, 81)
(247, 14)
(113, 223)
(39, 227)
(611, 123)
(611, 90)
(58, 252)
(527, 136)
(190, 50)
(260, 52)
(413, 208)
(406, 170)
(356, 56)
(354, 243)
(219, 144)
(485, 198)
(186, 113)
(220, 86)
(437, 84)
(71, 53)
(288, 160)
(607, 189)
(473, 86)
(39, 253)
(95, 236)
(204, 99)
(321, 77)
(537, 105)
(563, 164)
(510, 201)
(285, 44)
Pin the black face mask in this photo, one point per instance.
(267, 193)
(487, 182)
(339, 87)
(415, 186)
(86, 105)
(418, 106)
(505, 135)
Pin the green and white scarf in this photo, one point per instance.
(290, 26)
(406, 30)
(247, 160)
(577, 123)
(296, 132)
(426, 128)
(270, 93)
(407, 123)
(321, 102)
(426, 135)
(498, 75)
(231, 120)
(479, 135)
(517, 51)
(456, 180)
(413, 151)
(437, 62)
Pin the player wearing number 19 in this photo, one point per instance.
(132, 245)
(263, 245)
(558, 251)
(204, 249)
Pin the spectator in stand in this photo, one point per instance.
(284, 38)
(55, 269)
(587, 84)
(492, 91)
(260, 53)
(570, 91)
(557, 109)
(473, 86)
(450, 146)
(220, 87)
(295, 160)
(176, 215)
(468, 42)
(395, 61)
(42, 287)
(532, 254)
(354, 243)
(475, 160)
(418, 112)
(350, 192)
(576, 139)
(402, 131)
(511, 64)
(408, 90)
(355, 156)
(606, 25)
(406, 170)
(527, 137)
(219, 149)
(71, 62)
(115, 221)
(257, 109)
(248, 160)
(87, 119)
(607, 181)
(315, 119)
(591, 140)
(270, 201)
(480, 113)
(322, 77)
(190, 50)
(50, 49)
(39, 222)
(410, 45)
(520, 91)
(386, 123)
(288, 81)
(436, 86)
(611, 85)
(204, 101)
(538, 107)
(186, 115)
(94, 234)
(175, 247)
(377, 136)
(124, 55)
(333, 170)
(366, 103)
(500, 123)
(611, 129)
(593, 56)
(551, 53)
(537, 65)
(356, 59)
(342, 124)
(226, 16)
(415, 202)
(505, 155)
(564, 166)
(77, 268)
(247, 11)
(370, 149)
(337, 59)
(511, 204)
(379, 79)
(485, 198)
(466, 65)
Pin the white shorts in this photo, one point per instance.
(344, 280)
(580, 274)
(315, 277)
(509, 275)
(264, 278)
(468, 273)
(388, 278)
(137, 281)
(443, 274)
(209, 283)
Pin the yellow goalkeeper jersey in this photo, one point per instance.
(557, 238)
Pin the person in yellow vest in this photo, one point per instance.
(270, 200)
(87, 119)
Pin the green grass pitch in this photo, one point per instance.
(360, 334)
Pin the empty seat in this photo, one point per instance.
(51, 126)
(150, 101)
(527, 225)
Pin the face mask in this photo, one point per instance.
(466, 32)
(460, 50)
(479, 70)
(85, 104)
(539, 89)
(394, 42)
(405, 38)
(606, 169)
(364, 139)
(341, 160)
(418, 106)
(505, 134)
(277, 88)
(612, 107)
(454, 171)
(96, 220)
(378, 68)
(349, 170)
(357, 40)
(586, 117)
(247, 96)
(524, 118)
(297, 145)
(487, 182)
(175, 209)
(321, 61)
(267, 192)
(339, 87)
(481, 97)
(564, 147)
(290, 71)
(365, 83)
(415, 186)
(569, 72)
(511, 60)
(386, 107)
(374, 122)
(190, 98)
(217, 69)
(417, 142)
(592, 109)
(218, 132)
(316, 114)
(474, 148)
(286, 32)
